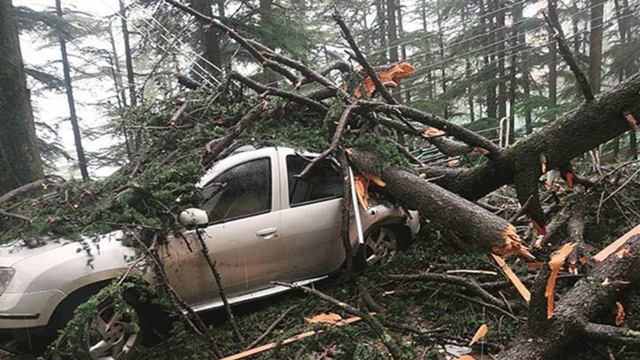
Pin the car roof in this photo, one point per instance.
(240, 157)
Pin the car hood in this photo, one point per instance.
(15, 251)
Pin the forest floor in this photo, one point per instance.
(446, 310)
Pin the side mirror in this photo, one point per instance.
(193, 217)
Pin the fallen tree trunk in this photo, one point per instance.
(470, 222)
(574, 313)
(577, 132)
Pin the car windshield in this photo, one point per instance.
(241, 191)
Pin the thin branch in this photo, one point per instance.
(265, 90)
(463, 134)
(218, 279)
(16, 216)
(24, 189)
(361, 59)
(238, 38)
(377, 327)
(270, 328)
(337, 137)
(556, 31)
(183, 308)
(450, 279)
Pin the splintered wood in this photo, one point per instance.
(513, 244)
(273, 345)
(482, 332)
(515, 280)
(557, 260)
(614, 246)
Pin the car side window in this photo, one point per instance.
(323, 182)
(244, 190)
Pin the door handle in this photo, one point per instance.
(268, 233)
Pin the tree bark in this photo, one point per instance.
(19, 155)
(471, 223)
(209, 39)
(578, 307)
(73, 117)
(569, 136)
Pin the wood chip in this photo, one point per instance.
(482, 332)
(328, 318)
(515, 280)
(620, 315)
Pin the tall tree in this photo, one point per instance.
(553, 61)
(502, 81)
(19, 156)
(73, 117)
(208, 39)
(595, 45)
(128, 57)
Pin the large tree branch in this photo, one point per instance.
(577, 132)
(578, 307)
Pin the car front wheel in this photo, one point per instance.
(112, 334)
(382, 243)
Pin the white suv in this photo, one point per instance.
(261, 223)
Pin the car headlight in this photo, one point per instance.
(6, 274)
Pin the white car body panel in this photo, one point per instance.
(305, 247)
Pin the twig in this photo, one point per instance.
(463, 134)
(270, 328)
(557, 33)
(361, 59)
(24, 189)
(491, 306)
(450, 279)
(265, 90)
(377, 327)
(237, 129)
(184, 309)
(238, 38)
(337, 137)
(212, 266)
(16, 216)
(178, 113)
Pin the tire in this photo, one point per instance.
(382, 243)
(111, 335)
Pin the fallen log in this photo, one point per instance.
(470, 222)
(576, 310)
(577, 132)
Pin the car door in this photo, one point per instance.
(312, 207)
(240, 204)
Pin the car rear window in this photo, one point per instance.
(323, 182)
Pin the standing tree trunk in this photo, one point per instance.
(127, 55)
(487, 24)
(403, 48)
(595, 45)
(117, 71)
(553, 60)
(445, 107)
(502, 81)
(73, 117)
(425, 29)
(19, 156)
(209, 39)
(392, 34)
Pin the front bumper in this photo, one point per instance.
(28, 310)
